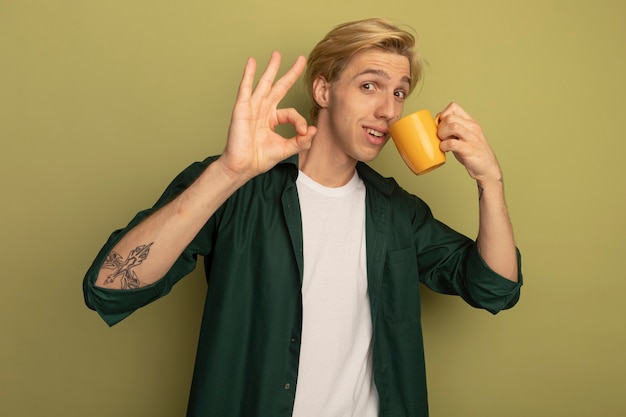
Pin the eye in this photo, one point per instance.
(401, 94)
(368, 86)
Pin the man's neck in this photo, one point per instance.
(325, 164)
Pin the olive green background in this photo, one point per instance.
(102, 103)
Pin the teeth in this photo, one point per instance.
(375, 132)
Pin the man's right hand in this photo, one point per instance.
(253, 146)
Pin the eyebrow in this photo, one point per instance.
(381, 74)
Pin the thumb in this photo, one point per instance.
(302, 140)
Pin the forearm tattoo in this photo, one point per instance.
(481, 189)
(480, 192)
(124, 268)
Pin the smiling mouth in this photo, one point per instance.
(375, 133)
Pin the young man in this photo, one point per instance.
(314, 260)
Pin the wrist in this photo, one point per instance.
(490, 182)
(490, 178)
(229, 175)
(489, 185)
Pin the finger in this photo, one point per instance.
(266, 81)
(450, 145)
(456, 127)
(304, 141)
(292, 117)
(300, 142)
(245, 86)
(282, 86)
(455, 109)
(304, 133)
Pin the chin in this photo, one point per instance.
(369, 157)
(370, 154)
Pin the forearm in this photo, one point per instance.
(462, 135)
(496, 242)
(149, 250)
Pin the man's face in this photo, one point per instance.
(363, 102)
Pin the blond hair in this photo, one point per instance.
(331, 55)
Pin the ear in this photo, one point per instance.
(321, 91)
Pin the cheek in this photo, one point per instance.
(399, 111)
(344, 110)
(348, 107)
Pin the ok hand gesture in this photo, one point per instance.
(253, 146)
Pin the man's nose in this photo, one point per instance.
(387, 108)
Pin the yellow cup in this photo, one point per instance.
(415, 136)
